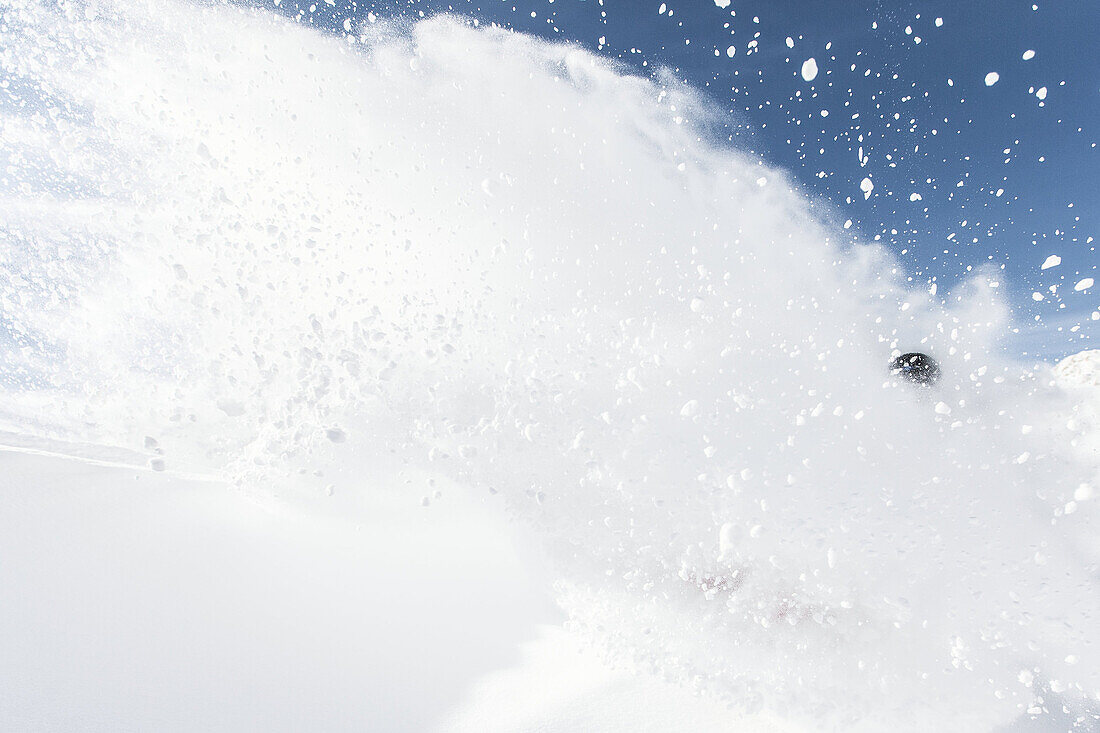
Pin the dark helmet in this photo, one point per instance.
(915, 367)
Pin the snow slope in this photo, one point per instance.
(138, 601)
(135, 601)
(458, 261)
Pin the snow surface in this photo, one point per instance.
(1080, 370)
(359, 278)
(138, 601)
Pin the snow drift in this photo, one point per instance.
(251, 249)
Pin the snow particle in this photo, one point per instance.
(1083, 284)
(809, 69)
(992, 78)
(1052, 261)
(232, 408)
(1028, 55)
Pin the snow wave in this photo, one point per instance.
(252, 247)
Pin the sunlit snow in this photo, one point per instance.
(339, 281)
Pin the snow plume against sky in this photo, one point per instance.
(259, 249)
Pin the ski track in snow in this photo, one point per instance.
(510, 265)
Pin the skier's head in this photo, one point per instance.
(916, 367)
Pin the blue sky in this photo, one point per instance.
(967, 168)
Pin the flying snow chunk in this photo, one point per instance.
(690, 408)
(722, 3)
(809, 69)
(867, 187)
(1041, 93)
(992, 78)
(232, 408)
(915, 196)
(1052, 261)
(1028, 55)
(727, 539)
(731, 51)
(790, 42)
(1083, 284)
